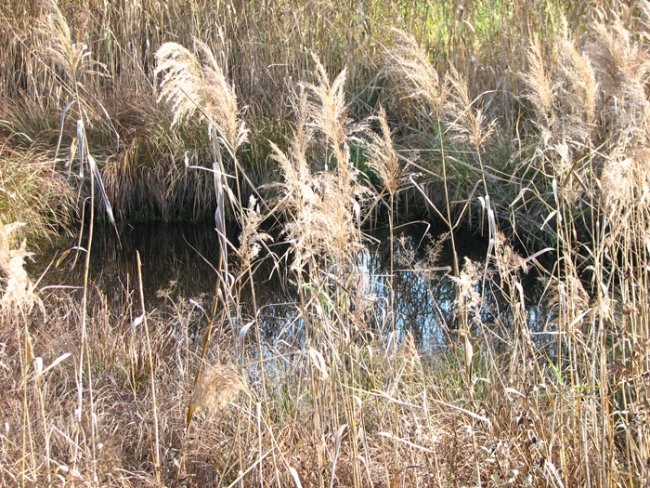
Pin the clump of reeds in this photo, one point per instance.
(590, 105)
(454, 122)
(34, 194)
(346, 402)
(323, 207)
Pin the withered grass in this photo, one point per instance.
(528, 121)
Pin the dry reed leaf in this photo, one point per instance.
(319, 363)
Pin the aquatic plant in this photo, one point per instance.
(195, 391)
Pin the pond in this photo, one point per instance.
(178, 264)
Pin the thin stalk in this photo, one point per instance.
(448, 202)
(204, 349)
(27, 434)
(84, 300)
(152, 378)
(391, 230)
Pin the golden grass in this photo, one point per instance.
(34, 193)
(95, 396)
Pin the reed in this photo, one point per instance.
(33, 193)
(527, 120)
(104, 60)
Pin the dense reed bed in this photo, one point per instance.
(526, 121)
(62, 64)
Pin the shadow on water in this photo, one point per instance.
(179, 259)
(173, 256)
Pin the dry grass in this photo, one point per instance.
(131, 397)
(31, 191)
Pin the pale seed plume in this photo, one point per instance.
(195, 83)
(383, 157)
(415, 77)
(466, 121)
(218, 385)
(19, 291)
(541, 89)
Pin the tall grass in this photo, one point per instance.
(35, 194)
(527, 121)
(102, 59)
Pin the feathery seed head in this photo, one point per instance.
(413, 74)
(383, 158)
(192, 84)
(218, 385)
(18, 291)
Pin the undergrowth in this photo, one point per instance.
(198, 393)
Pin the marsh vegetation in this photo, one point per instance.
(298, 128)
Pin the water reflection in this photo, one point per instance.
(181, 257)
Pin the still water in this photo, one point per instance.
(178, 264)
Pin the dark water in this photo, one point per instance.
(179, 259)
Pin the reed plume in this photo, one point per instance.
(19, 292)
(467, 122)
(542, 89)
(323, 205)
(195, 83)
(413, 75)
(383, 157)
(218, 385)
(71, 67)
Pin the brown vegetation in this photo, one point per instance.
(527, 118)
